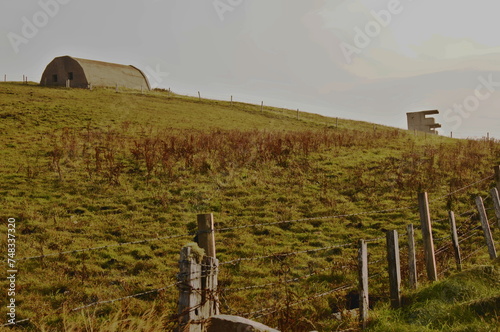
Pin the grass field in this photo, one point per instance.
(84, 169)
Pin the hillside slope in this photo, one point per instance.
(99, 169)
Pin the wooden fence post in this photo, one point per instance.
(412, 257)
(363, 282)
(262, 106)
(486, 227)
(206, 236)
(496, 203)
(454, 240)
(394, 268)
(231, 100)
(206, 241)
(425, 220)
(199, 96)
(209, 283)
(497, 176)
(189, 300)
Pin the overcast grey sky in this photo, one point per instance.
(365, 60)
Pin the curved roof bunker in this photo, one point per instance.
(81, 73)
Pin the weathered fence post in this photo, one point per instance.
(486, 227)
(425, 220)
(206, 235)
(189, 300)
(198, 278)
(394, 268)
(497, 176)
(454, 240)
(199, 96)
(231, 100)
(496, 203)
(363, 282)
(206, 241)
(412, 257)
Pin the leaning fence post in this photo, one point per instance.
(454, 240)
(394, 268)
(497, 176)
(363, 282)
(189, 298)
(496, 203)
(412, 257)
(486, 227)
(425, 220)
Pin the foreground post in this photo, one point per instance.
(412, 257)
(189, 300)
(394, 268)
(454, 240)
(206, 241)
(363, 282)
(486, 228)
(425, 220)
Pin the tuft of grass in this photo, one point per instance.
(466, 301)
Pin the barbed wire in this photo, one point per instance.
(377, 261)
(314, 218)
(474, 252)
(272, 310)
(17, 322)
(280, 255)
(461, 189)
(126, 297)
(277, 282)
(106, 246)
(470, 234)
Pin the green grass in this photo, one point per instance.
(467, 301)
(82, 169)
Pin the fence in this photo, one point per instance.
(195, 322)
(202, 297)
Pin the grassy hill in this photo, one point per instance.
(85, 169)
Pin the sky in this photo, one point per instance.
(364, 60)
